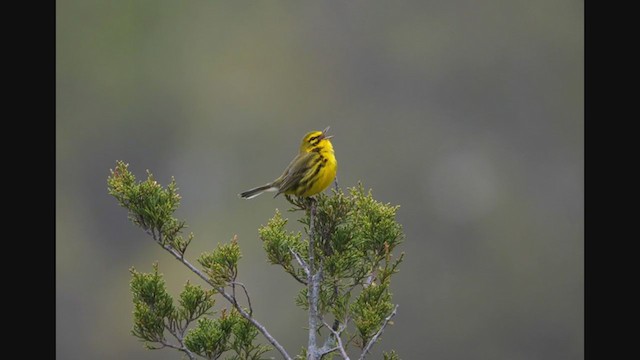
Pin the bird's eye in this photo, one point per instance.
(313, 138)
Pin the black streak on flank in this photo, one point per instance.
(305, 181)
(315, 173)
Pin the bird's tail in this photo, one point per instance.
(250, 194)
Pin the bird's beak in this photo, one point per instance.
(324, 133)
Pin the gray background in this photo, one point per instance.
(468, 114)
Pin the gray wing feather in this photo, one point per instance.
(295, 171)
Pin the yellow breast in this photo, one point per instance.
(325, 176)
(319, 176)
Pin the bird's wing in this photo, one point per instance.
(296, 171)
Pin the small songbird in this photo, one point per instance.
(309, 173)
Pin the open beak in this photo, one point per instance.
(324, 133)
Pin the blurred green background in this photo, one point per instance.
(469, 114)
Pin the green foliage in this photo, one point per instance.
(153, 306)
(279, 244)
(355, 237)
(243, 343)
(230, 332)
(211, 337)
(222, 263)
(391, 355)
(194, 302)
(154, 310)
(302, 355)
(150, 205)
(370, 309)
(156, 317)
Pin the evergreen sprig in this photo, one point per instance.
(345, 260)
(155, 314)
(222, 263)
(355, 239)
(150, 206)
(282, 246)
(194, 302)
(390, 355)
(230, 332)
(153, 306)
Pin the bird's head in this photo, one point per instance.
(315, 139)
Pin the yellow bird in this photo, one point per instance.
(309, 173)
